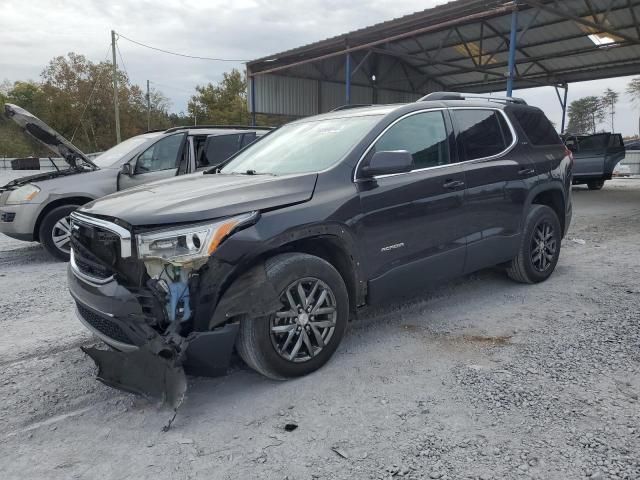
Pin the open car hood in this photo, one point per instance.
(199, 197)
(47, 136)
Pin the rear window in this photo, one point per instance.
(537, 127)
(483, 133)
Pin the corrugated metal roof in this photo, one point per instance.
(463, 45)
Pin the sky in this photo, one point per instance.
(33, 32)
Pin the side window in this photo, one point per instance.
(218, 148)
(247, 139)
(423, 135)
(162, 155)
(592, 143)
(538, 129)
(482, 133)
(615, 141)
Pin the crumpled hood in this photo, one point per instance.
(47, 136)
(198, 197)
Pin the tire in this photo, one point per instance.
(528, 266)
(56, 224)
(265, 351)
(595, 184)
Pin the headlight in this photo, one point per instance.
(24, 194)
(189, 243)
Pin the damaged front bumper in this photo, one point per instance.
(143, 360)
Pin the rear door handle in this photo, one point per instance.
(526, 171)
(453, 184)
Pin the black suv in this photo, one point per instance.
(273, 252)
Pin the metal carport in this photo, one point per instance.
(474, 46)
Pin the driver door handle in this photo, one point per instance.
(453, 184)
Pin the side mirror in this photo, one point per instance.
(386, 163)
(126, 169)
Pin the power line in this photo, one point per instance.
(124, 67)
(182, 54)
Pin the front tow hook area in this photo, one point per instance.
(156, 370)
(156, 376)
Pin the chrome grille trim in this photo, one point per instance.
(123, 233)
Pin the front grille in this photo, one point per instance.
(104, 325)
(100, 246)
(7, 216)
(90, 266)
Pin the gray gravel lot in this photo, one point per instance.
(482, 378)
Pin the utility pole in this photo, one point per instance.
(115, 85)
(148, 108)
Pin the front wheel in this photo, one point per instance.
(595, 184)
(304, 333)
(539, 248)
(55, 232)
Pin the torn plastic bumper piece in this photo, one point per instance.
(156, 370)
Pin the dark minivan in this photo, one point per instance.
(274, 252)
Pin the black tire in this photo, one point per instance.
(528, 267)
(257, 345)
(50, 224)
(595, 184)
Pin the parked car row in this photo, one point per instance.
(37, 207)
(273, 251)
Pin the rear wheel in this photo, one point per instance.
(303, 334)
(55, 232)
(595, 184)
(539, 248)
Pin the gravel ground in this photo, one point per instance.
(482, 378)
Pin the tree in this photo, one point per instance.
(585, 114)
(221, 104)
(609, 100)
(633, 90)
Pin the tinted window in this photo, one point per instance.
(423, 135)
(481, 132)
(162, 155)
(219, 148)
(593, 142)
(538, 129)
(615, 141)
(248, 138)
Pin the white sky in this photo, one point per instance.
(34, 31)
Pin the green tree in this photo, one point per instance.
(585, 114)
(221, 104)
(609, 101)
(633, 90)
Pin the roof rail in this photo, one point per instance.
(436, 96)
(351, 105)
(225, 127)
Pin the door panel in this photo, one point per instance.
(589, 160)
(158, 162)
(496, 190)
(411, 223)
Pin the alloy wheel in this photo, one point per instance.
(61, 235)
(543, 246)
(305, 324)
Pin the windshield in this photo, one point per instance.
(116, 153)
(302, 147)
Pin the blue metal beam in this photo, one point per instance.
(253, 100)
(347, 70)
(513, 41)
